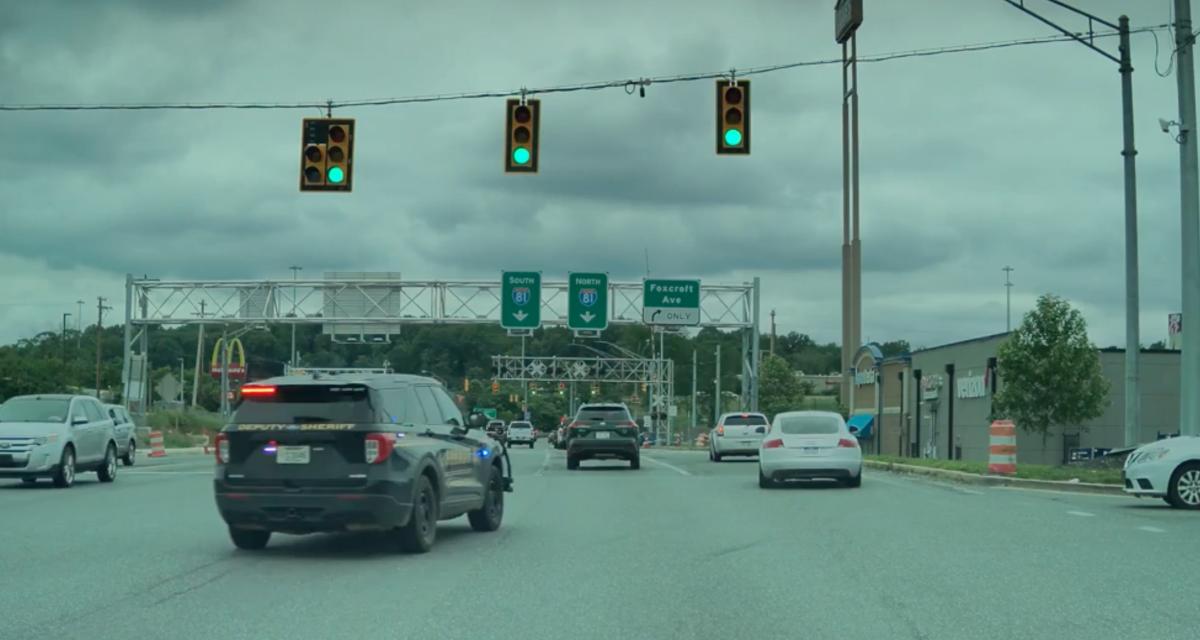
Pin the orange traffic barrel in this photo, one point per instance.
(1002, 448)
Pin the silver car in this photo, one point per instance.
(737, 434)
(55, 436)
(126, 433)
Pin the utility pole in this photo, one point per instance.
(62, 344)
(199, 354)
(1007, 297)
(79, 326)
(295, 270)
(717, 397)
(1189, 379)
(1129, 153)
(100, 309)
(695, 422)
(181, 380)
(772, 332)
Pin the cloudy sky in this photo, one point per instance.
(969, 161)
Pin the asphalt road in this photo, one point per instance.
(683, 548)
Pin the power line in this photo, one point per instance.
(628, 84)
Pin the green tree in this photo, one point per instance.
(779, 389)
(1051, 371)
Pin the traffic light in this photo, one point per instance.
(495, 387)
(733, 117)
(327, 156)
(466, 385)
(521, 136)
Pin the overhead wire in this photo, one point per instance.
(625, 83)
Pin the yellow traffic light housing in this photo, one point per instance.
(733, 117)
(327, 154)
(521, 136)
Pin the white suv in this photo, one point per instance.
(521, 432)
(54, 436)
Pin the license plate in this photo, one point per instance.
(810, 451)
(293, 455)
(601, 435)
(747, 442)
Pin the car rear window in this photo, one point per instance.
(606, 414)
(34, 410)
(307, 403)
(809, 425)
(745, 420)
(520, 425)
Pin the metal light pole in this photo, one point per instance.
(181, 384)
(79, 325)
(1189, 378)
(1007, 297)
(694, 420)
(295, 270)
(62, 343)
(717, 397)
(1132, 306)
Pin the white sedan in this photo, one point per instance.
(809, 444)
(1167, 469)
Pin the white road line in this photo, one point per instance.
(668, 465)
(1152, 529)
(1082, 514)
(545, 464)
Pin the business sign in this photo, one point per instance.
(521, 300)
(237, 368)
(671, 302)
(1174, 330)
(847, 16)
(865, 377)
(587, 302)
(930, 386)
(972, 386)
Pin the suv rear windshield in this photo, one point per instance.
(809, 425)
(307, 403)
(34, 410)
(520, 425)
(614, 413)
(745, 420)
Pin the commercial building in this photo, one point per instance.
(937, 403)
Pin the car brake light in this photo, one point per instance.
(849, 443)
(721, 430)
(378, 447)
(774, 443)
(222, 448)
(255, 391)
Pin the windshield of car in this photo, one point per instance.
(34, 410)
(603, 414)
(745, 420)
(809, 425)
(306, 404)
(520, 425)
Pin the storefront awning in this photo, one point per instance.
(862, 422)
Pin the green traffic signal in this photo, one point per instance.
(521, 155)
(336, 175)
(733, 137)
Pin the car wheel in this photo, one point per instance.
(489, 516)
(763, 481)
(64, 477)
(249, 539)
(418, 535)
(572, 462)
(531, 443)
(108, 469)
(29, 481)
(856, 481)
(1184, 490)
(130, 455)
(716, 457)
(635, 463)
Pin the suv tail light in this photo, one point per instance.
(849, 443)
(720, 429)
(257, 391)
(377, 447)
(222, 448)
(774, 443)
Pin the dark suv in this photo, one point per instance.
(603, 431)
(344, 452)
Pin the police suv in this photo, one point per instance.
(383, 452)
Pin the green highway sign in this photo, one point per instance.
(520, 300)
(671, 302)
(587, 302)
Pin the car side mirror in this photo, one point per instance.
(78, 420)
(477, 420)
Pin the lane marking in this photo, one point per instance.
(668, 465)
(1152, 529)
(545, 464)
(1082, 514)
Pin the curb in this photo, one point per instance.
(171, 450)
(963, 477)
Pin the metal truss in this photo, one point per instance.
(394, 302)
(582, 369)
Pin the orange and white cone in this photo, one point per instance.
(1002, 448)
(157, 450)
